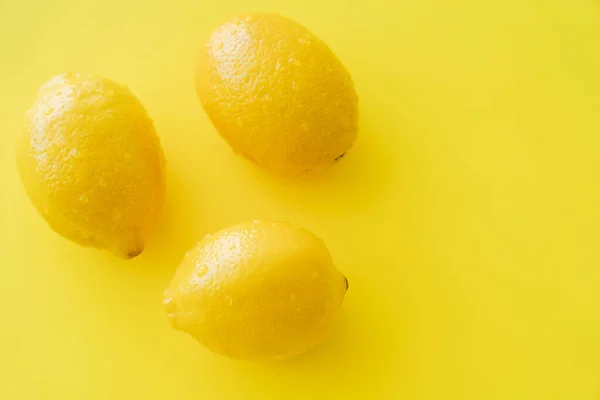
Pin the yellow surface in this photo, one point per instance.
(466, 218)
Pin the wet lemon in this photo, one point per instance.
(277, 93)
(257, 291)
(92, 164)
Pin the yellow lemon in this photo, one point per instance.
(277, 93)
(257, 291)
(91, 162)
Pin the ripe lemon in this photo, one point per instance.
(277, 94)
(257, 291)
(91, 162)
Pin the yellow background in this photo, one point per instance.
(466, 217)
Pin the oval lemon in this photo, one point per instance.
(257, 291)
(92, 164)
(277, 93)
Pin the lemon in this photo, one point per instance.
(257, 291)
(91, 163)
(277, 94)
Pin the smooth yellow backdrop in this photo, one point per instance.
(466, 217)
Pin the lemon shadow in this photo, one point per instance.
(354, 182)
(360, 356)
(175, 234)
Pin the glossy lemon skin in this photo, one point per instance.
(277, 93)
(257, 291)
(92, 164)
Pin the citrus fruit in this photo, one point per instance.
(277, 94)
(257, 291)
(91, 162)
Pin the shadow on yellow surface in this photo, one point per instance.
(466, 217)
(356, 180)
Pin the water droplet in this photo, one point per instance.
(200, 272)
(292, 296)
(74, 153)
(84, 199)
